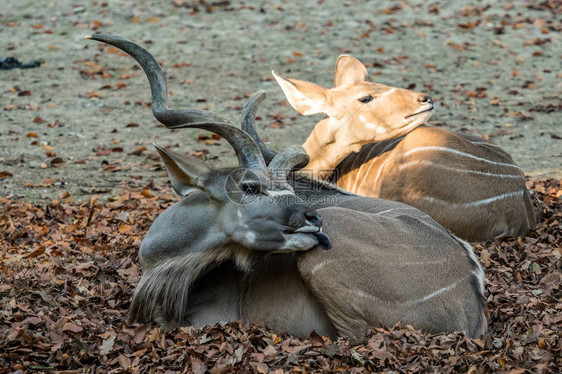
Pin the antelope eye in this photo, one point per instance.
(251, 189)
(366, 99)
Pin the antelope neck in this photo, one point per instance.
(326, 152)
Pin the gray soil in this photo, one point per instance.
(67, 129)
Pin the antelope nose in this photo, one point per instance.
(425, 99)
(314, 218)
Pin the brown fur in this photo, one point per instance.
(374, 148)
(382, 170)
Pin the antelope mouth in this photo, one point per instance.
(309, 229)
(324, 240)
(420, 112)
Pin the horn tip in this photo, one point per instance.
(88, 37)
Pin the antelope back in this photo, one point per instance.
(471, 187)
(379, 148)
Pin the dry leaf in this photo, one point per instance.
(125, 228)
(72, 327)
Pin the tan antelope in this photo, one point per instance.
(375, 142)
(243, 247)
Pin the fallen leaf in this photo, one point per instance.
(48, 182)
(72, 327)
(107, 345)
(125, 228)
(38, 252)
(5, 174)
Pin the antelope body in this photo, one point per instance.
(218, 255)
(374, 142)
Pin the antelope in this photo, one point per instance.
(232, 249)
(374, 141)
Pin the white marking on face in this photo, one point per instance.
(250, 237)
(278, 193)
(388, 92)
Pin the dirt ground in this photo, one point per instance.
(77, 126)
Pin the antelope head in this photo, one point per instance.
(358, 112)
(251, 205)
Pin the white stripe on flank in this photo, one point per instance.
(420, 263)
(486, 143)
(365, 295)
(433, 294)
(473, 203)
(429, 163)
(361, 167)
(444, 149)
(390, 210)
(380, 168)
(320, 266)
(378, 174)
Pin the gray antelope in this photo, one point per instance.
(245, 246)
(376, 140)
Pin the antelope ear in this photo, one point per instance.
(349, 70)
(187, 174)
(305, 97)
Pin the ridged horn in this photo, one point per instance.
(248, 153)
(292, 157)
(249, 124)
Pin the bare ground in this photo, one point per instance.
(76, 126)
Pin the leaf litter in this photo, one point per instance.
(68, 271)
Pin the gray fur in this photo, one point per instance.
(209, 259)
